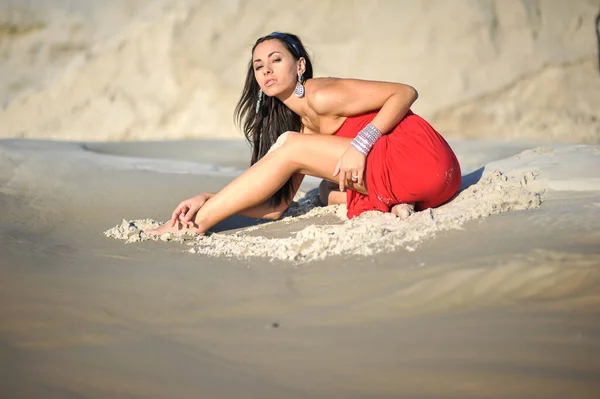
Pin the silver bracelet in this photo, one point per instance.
(365, 139)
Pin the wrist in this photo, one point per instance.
(366, 139)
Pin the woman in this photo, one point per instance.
(359, 135)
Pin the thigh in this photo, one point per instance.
(318, 155)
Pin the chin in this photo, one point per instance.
(270, 91)
(273, 91)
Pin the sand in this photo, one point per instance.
(498, 288)
(367, 235)
(113, 111)
(505, 186)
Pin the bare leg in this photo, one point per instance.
(330, 194)
(314, 155)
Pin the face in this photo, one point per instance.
(275, 68)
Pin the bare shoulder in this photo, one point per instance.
(319, 93)
(346, 97)
(319, 83)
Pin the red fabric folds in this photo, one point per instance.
(411, 163)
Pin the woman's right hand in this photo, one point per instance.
(186, 210)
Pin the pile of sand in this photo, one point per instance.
(309, 232)
(371, 233)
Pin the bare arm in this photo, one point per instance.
(347, 97)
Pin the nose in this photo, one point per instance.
(267, 70)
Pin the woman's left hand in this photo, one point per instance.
(350, 168)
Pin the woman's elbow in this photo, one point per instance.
(412, 94)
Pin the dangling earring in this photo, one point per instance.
(258, 101)
(300, 87)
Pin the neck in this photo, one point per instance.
(297, 105)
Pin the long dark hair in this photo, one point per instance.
(262, 127)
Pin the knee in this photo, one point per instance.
(290, 139)
(285, 142)
(324, 190)
(329, 194)
(280, 141)
(289, 146)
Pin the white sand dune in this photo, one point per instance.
(166, 69)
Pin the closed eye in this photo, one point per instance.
(260, 66)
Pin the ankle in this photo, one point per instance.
(200, 226)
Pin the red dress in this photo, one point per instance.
(411, 163)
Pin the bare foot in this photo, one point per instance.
(403, 211)
(179, 228)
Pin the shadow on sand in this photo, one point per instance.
(471, 179)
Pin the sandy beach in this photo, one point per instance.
(492, 295)
(507, 305)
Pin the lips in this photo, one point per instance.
(270, 82)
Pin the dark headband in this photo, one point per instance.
(288, 39)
